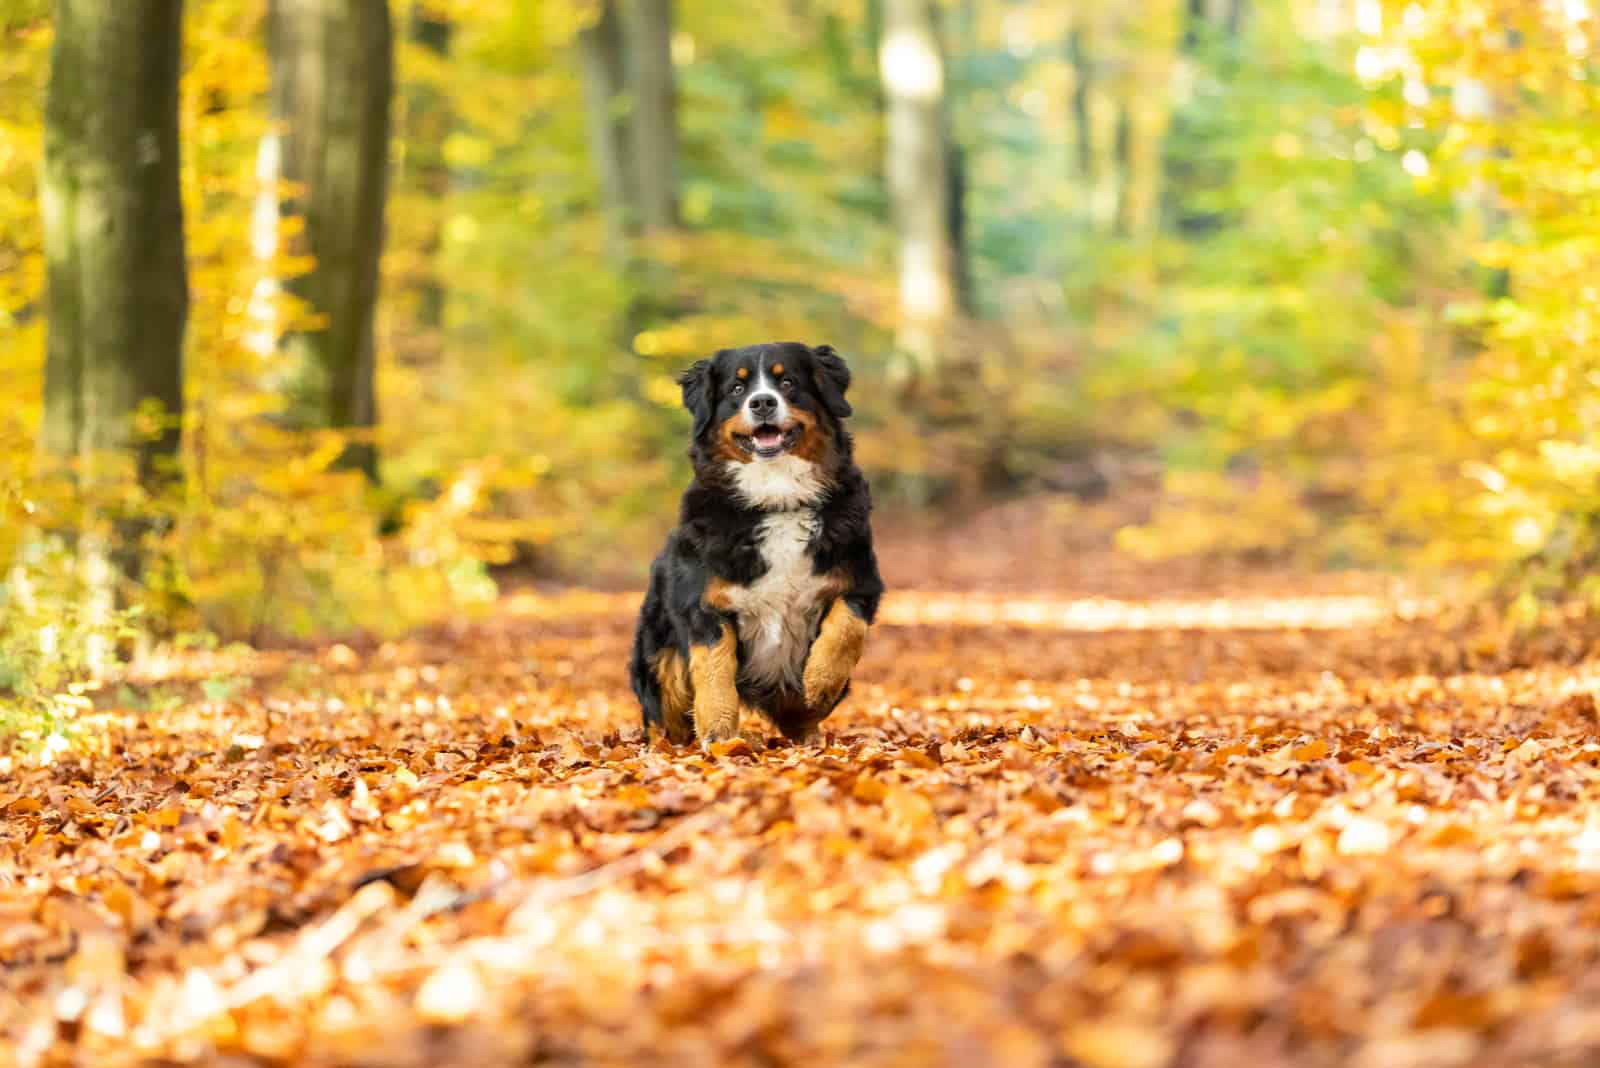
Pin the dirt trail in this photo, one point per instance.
(1048, 829)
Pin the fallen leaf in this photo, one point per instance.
(1310, 751)
(1363, 836)
(450, 995)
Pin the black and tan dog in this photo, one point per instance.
(764, 591)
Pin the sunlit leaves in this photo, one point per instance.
(1519, 122)
(1126, 847)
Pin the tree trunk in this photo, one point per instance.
(332, 81)
(1149, 110)
(428, 124)
(1082, 150)
(114, 250)
(1141, 205)
(911, 64)
(114, 243)
(603, 61)
(957, 89)
(1104, 118)
(959, 223)
(1123, 64)
(1096, 117)
(1219, 13)
(653, 123)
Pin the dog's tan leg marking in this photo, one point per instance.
(677, 696)
(713, 670)
(718, 594)
(833, 657)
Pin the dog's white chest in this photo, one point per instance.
(779, 611)
(784, 482)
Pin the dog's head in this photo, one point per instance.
(769, 408)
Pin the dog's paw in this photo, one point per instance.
(809, 737)
(671, 734)
(716, 721)
(822, 689)
(717, 735)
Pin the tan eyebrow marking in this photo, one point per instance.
(743, 372)
(777, 368)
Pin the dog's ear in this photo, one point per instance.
(699, 395)
(833, 379)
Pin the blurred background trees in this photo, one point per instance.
(1301, 280)
(653, 123)
(332, 64)
(917, 161)
(602, 58)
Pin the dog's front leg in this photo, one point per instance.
(833, 658)
(714, 670)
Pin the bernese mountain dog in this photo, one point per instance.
(764, 591)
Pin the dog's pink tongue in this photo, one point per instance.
(768, 436)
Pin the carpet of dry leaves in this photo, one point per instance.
(1077, 813)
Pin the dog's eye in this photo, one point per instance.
(787, 385)
(738, 388)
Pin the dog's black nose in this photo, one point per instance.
(764, 405)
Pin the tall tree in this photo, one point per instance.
(114, 239)
(332, 83)
(653, 124)
(428, 122)
(1097, 45)
(602, 57)
(917, 162)
(959, 226)
(1123, 63)
(960, 45)
(1156, 38)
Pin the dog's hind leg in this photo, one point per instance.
(677, 696)
(657, 669)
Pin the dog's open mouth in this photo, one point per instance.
(769, 440)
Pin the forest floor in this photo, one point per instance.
(1077, 812)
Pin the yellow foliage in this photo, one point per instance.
(262, 536)
(1206, 514)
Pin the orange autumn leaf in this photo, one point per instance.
(1310, 751)
(869, 789)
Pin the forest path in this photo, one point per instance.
(1047, 829)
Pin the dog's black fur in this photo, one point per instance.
(718, 553)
